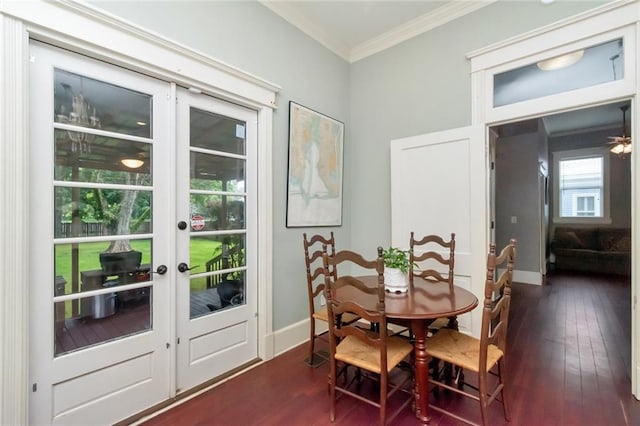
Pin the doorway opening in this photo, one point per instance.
(572, 222)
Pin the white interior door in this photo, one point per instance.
(432, 192)
(217, 240)
(99, 334)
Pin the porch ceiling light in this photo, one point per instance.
(132, 163)
(562, 61)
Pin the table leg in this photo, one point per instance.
(421, 372)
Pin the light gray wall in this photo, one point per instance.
(517, 196)
(250, 37)
(420, 86)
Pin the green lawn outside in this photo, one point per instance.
(202, 249)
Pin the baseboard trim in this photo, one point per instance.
(527, 277)
(294, 335)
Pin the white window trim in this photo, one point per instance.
(572, 155)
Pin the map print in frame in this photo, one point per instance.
(314, 187)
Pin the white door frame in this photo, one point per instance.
(85, 29)
(617, 18)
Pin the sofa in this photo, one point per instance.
(598, 250)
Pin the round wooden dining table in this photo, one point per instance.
(424, 302)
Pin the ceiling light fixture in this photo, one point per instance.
(132, 163)
(81, 114)
(621, 144)
(561, 61)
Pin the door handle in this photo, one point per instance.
(183, 267)
(162, 269)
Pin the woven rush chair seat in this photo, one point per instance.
(461, 349)
(323, 315)
(356, 352)
(439, 323)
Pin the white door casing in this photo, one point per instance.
(611, 21)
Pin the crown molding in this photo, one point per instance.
(436, 18)
(559, 25)
(292, 16)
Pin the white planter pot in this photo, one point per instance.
(395, 280)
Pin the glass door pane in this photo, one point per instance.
(575, 70)
(102, 211)
(217, 205)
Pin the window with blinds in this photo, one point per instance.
(581, 185)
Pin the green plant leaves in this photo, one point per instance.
(396, 258)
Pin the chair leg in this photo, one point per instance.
(384, 383)
(332, 389)
(459, 380)
(447, 373)
(433, 369)
(482, 393)
(504, 392)
(312, 340)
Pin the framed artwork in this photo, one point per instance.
(314, 179)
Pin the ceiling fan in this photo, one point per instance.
(621, 145)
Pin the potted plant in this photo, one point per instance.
(396, 268)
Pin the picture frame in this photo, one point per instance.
(315, 168)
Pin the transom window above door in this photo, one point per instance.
(573, 70)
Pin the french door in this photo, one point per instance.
(143, 247)
(216, 244)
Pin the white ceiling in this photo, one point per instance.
(355, 29)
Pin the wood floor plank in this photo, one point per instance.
(568, 364)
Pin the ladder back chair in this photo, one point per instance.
(482, 355)
(313, 249)
(427, 254)
(432, 257)
(367, 348)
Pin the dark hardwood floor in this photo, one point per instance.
(568, 364)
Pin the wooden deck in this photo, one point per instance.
(568, 364)
(130, 318)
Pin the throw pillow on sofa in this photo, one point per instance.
(623, 244)
(613, 239)
(569, 240)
